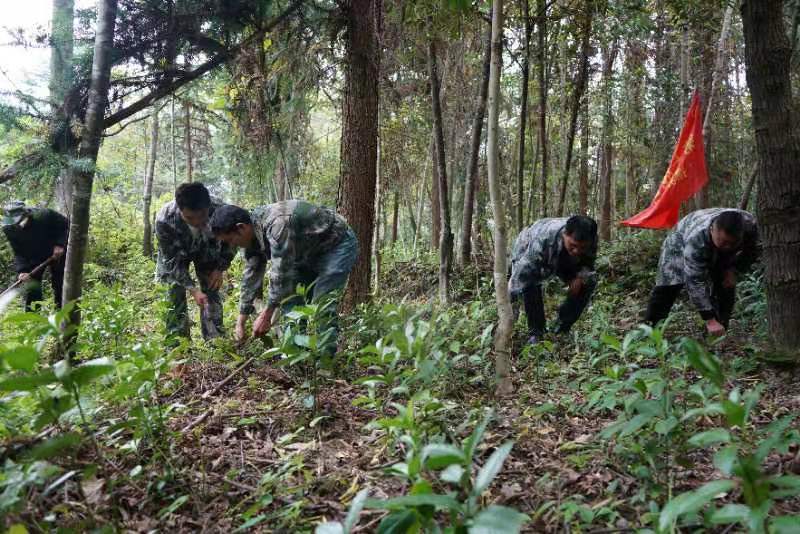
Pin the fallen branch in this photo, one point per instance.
(203, 416)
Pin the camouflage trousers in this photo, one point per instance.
(177, 320)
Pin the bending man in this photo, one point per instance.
(306, 244)
(564, 247)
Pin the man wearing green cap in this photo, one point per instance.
(36, 234)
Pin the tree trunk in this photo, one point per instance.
(607, 154)
(359, 146)
(465, 250)
(767, 58)
(577, 97)
(61, 79)
(505, 324)
(436, 215)
(446, 238)
(187, 137)
(523, 117)
(583, 172)
(149, 175)
(541, 8)
(395, 215)
(83, 170)
(748, 189)
(172, 142)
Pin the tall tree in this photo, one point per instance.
(149, 175)
(187, 138)
(767, 58)
(446, 237)
(505, 322)
(607, 191)
(82, 171)
(359, 145)
(541, 8)
(523, 115)
(61, 80)
(583, 170)
(465, 248)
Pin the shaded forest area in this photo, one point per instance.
(439, 129)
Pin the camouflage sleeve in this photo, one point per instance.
(695, 268)
(526, 270)
(226, 255)
(283, 273)
(173, 261)
(751, 250)
(252, 280)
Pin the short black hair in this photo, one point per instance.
(225, 218)
(731, 222)
(581, 228)
(193, 196)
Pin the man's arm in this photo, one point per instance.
(173, 261)
(695, 267)
(527, 269)
(252, 280)
(283, 273)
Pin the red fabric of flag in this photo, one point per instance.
(686, 175)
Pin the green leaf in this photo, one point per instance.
(666, 426)
(22, 358)
(471, 443)
(440, 455)
(730, 513)
(691, 501)
(331, 527)
(635, 423)
(708, 365)
(90, 371)
(785, 524)
(496, 519)
(410, 501)
(725, 459)
(398, 522)
(355, 509)
(54, 446)
(491, 468)
(788, 486)
(775, 432)
(28, 383)
(710, 437)
(734, 413)
(452, 474)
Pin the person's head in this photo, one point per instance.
(193, 202)
(727, 231)
(232, 225)
(15, 213)
(579, 235)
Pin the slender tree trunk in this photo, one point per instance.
(83, 171)
(767, 58)
(748, 189)
(61, 79)
(523, 117)
(541, 8)
(607, 154)
(187, 137)
(172, 142)
(505, 324)
(446, 238)
(149, 175)
(436, 214)
(583, 171)
(577, 97)
(395, 215)
(465, 250)
(359, 147)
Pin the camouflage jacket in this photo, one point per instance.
(539, 253)
(688, 255)
(292, 234)
(179, 245)
(33, 244)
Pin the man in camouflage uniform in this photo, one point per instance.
(36, 234)
(184, 237)
(704, 253)
(564, 247)
(307, 244)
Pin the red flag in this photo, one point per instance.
(685, 176)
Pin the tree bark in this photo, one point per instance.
(187, 137)
(84, 169)
(359, 146)
(583, 172)
(502, 338)
(395, 215)
(577, 97)
(748, 189)
(607, 154)
(541, 8)
(149, 175)
(767, 59)
(465, 249)
(61, 80)
(172, 143)
(446, 238)
(523, 117)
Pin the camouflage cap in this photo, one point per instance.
(14, 212)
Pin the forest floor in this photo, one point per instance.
(252, 456)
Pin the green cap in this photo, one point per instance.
(14, 212)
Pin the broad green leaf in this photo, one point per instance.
(774, 432)
(730, 513)
(635, 423)
(452, 474)
(410, 501)
(17, 529)
(471, 443)
(399, 522)
(90, 371)
(496, 519)
(665, 426)
(54, 446)
(440, 455)
(787, 486)
(491, 468)
(23, 358)
(785, 524)
(691, 501)
(331, 527)
(725, 459)
(708, 365)
(734, 413)
(355, 509)
(28, 383)
(710, 437)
